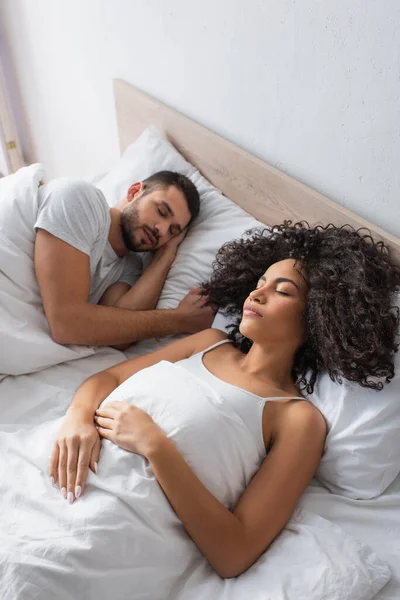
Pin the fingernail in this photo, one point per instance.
(64, 492)
(78, 491)
(52, 481)
(95, 467)
(70, 497)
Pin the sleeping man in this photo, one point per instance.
(84, 256)
(87, 273)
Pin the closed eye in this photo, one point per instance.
(283, 293)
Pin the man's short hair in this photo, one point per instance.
(164, 179)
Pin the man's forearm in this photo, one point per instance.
(95, 325)
(145, 293)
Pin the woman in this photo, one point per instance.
(211, 434)
(313, 299)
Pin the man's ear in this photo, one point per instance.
(135, 189)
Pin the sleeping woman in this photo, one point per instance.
(203, 447)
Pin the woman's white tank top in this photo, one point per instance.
(248, 406)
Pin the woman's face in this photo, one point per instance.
(273, 312)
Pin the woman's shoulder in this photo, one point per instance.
(206, 338)
(294, 418)
(303, 415)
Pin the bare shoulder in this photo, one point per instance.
(206, 338)
(178, 350)
(304, 421)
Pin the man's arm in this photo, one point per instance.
(63, 274)
(144, 294)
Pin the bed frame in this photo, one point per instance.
(266, 193)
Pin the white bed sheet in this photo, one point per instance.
(375, 522)
(30, 399)
(26, 400)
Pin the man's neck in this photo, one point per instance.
(115, 234)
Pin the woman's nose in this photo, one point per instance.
(258, 296)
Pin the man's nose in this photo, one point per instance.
(162, 229)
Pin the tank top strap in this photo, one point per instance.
(215, 346)
(272, 398)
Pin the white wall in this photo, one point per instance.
(310, 86)
(3, 161)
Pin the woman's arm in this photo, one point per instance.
(231, 541)
(77, 447)
(96, 388)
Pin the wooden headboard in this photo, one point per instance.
(263, 191)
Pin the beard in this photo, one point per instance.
(130, 229)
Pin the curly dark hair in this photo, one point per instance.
(351, 321)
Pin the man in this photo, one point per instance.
(88, 274)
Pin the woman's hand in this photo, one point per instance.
(127, 426)
(76, 448)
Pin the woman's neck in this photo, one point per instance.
(272, 364)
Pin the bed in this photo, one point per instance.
(270, 197)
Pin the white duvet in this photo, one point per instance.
(122, 540)
(26, 344)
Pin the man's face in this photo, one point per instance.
(150, 220)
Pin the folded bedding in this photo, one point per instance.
(26, 342)
(122, 539)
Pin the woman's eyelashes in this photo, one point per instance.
(282, 292)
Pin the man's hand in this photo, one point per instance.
(76, 448)
(192, 308)
(171, 247)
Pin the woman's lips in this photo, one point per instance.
(249, 311)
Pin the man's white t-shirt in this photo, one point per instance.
(77, 213)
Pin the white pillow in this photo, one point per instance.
(362, 452)
(219, 221)
(150, 153)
